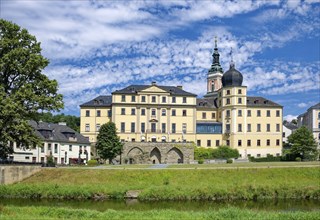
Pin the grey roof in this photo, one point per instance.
(316, 106)
(254, 101)
(206, 103)
(291, 126)
(102, 100)
(57, 132)
(173, 90)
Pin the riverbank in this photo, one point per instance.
(169, 184)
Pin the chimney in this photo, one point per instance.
(62, 123)
(154, 83)
(179, 87)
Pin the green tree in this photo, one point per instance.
(24, 90)
(108, 143)
(71, 120)
(303, 144)
(225, 152)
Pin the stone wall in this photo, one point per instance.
(13, 174)
(157, 153)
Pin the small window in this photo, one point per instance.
(258, 113)
(123, 98)
(143, 111)
(228, 113)
(163, 112)
(258, 155)
(27, 158)
(143, 127)
(228, 101)
(123, 127)
(268, 127)
(239, 100)
(184, 128)
(133, 111)
(249, 113)
(249, 143)
(239, 91)
(164, 99)
(217, 143)
(184, 112)
(258, 127)
(228, 92)
(123, 111)
(278, 142)
(239, 127)
(173, 128)
(133, 98)
(55, 148)
(268, 142)
(49, 146)
(97, 127)
(109, 113)
(70, 147)
(239, 143)
(153, 99)
(240, 113)
(228, 142)
(199, 143)
(173, 99)
(204, 115)
(87, 113)
(98, 113)
(208, 143)
(173, 112)
(153, 112)
(268, 113)
(213, 115)
(163, 128)
(278, 113)
(258, 143)
(277, 127)
(133, 127)
(87, 128)
(184, 99)
(143, 98)
(248, 127)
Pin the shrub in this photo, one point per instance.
(298, 159)
(229, 161)
(92, 163)
(50, 161)
(225, 152)
(203, 153)
(200, 161)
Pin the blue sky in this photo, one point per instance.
(96, 47)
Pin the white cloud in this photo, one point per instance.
(290, 117)
(306, 104)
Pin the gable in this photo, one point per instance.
(153, 89)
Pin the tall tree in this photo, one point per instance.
(108, 142)
(303, 144)
(24, 90)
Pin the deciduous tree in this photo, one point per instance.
(24, 90)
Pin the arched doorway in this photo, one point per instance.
(155, 156)
(174, 155)
(135, 156)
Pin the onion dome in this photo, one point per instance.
(232, 77)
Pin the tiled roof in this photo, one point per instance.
(173, 90)
(206, 103)
(57, 132)
(260, 102)
(291, 126)
(103, 100)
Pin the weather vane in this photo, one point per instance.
(215, 41)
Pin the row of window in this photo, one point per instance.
(153, 128)
(228, 92)
(208, 143)
(56, 148)
(204, 115)
(153, 99)
(98, 113)
(258, 113)
(268, 128)
(154, 112)
(268, 142)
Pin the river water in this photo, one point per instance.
(272, 205)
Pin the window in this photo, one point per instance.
(184, 128)
(70, 147)
(228, 142)
(249, 113)
(123, 127)
(277, 142)
(42, 148)
(258, 113)
(239, 127)
(143, 111)
(153, 98)
(217, 143)
(163, 128)
(27, 158)
(198, 143)
(123, 98)
(55, 148)
(49, 146)
(319, 125)
(184, 112)
(268, 127)
(208, 143)
(239, 143)
(133, 98)
(277, 127)
(87, 128)
(227, 127)
(239, 91)
(184, 99)
(87, 113)
(123, 111)
(268, 113)
(133, 111)
(173, 128)
(278, 113)
(268, 142)
(249, 155)
(228, 101)
(219, 102)
(133, 127)
(164, 99)
(163, 112)
(143, 98)
(97, 127)
(228, 113)
(98, 113)
(228, 92)
(239, 100)
(153, 112)
(283, 134)
(258, 143)
(204, 115)
(173, 99)
(213, 115)
(109, 113)
(173, 112)
(153, 127)
(258, 155)
(249, 143)
(248, 127)
(240, 113)
(143, 127)
(319, 115)
(133, 140)
(258, 127)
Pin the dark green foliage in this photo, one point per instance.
(24, 91)
(201, 161)
(229, 161)
(269, 158)
(108, 143)
(92, 163)
(298, 159)
(50, 161)
(303, 144)
(202, 153)
(71, 120)
(225, 152)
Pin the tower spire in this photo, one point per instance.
(231, 57)
(215, 67)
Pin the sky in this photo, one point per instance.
(97, 47)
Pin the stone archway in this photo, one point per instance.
(155, 156)
(135, 156)
(174, 155)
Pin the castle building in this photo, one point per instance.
(224, 116)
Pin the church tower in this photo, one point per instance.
(214, 75)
